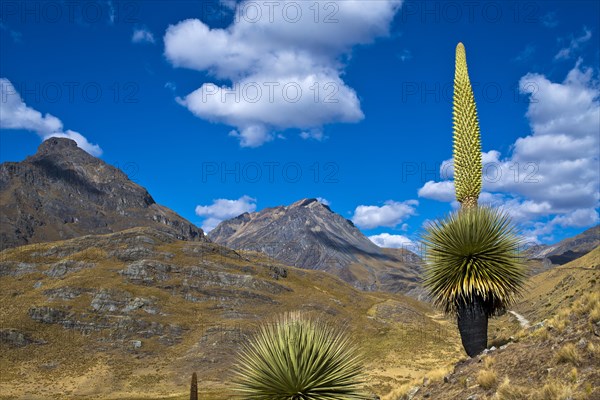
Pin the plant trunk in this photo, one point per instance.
(472, 324)
(194, 387)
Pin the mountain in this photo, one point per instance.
(308, 234)
(544, 257)
(63, 192)
(132, 314)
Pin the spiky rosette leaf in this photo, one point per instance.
(473, 255)
(467, 141)
(299, 358)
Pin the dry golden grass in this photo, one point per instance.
(595, 314)
(561, 320)
(487, 379)
(438, 374)
(541, 334)
(399, 393)
(508, 391)
(488, 362)
(568, 354)
(554, 391)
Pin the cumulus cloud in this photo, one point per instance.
(574, 45)
(391, 214)
(553, 173)
(323, 200)
(222, 209)
(283, 61)
(393, 241)
(440, 191)
(15, 114)
(142, 35)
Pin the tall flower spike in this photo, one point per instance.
(467, 141)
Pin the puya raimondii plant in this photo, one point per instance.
(298, 357)
(473, 266)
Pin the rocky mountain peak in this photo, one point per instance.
(308, 234)
(62, 192)
(56, 145)
(310, 204)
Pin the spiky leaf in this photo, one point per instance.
(299, 358)
(467, 141)
(473, 254)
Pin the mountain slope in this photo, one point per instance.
(63, 192)
(564, 251)
(309, 235)
(548, 290)
(132, 314)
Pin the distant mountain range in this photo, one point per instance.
(62, 192)
(544, 257)
(308, 234)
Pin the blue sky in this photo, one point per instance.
(348, 101)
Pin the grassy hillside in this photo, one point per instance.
(131, 315)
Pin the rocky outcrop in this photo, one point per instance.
(14, 338)
(62, 192)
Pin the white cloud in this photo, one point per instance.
(284, 73)
(222, 209)
(393, 241)
(574, 44)
(391, 214)
(15, 114)
(582, 217)
(316, 134)
(323, 200)
(142, 35)
(553, 173)
(440, 191)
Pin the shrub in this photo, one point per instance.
(488, 362)
(298, 357)
(554, 391)
(568, 354)
(486, 378)
(508, 391)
